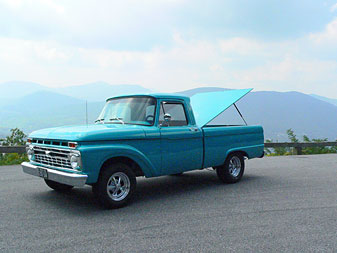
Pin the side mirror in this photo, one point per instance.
(167, 118)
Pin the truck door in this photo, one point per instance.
(181, 142)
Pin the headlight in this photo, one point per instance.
(30, 153)
(74, 161)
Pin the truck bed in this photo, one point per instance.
(219, 141)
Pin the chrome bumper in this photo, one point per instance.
(54, 175)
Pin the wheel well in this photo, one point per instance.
(243, 153)
(131, 163)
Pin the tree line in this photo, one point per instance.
(305, 151)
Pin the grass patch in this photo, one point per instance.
(12, 159)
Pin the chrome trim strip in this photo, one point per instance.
(50, 147)
(46, 166)
(57, 176)
(55, 152)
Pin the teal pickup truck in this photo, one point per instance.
(144, 135)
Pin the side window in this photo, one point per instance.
(149, 114)
(177, 112)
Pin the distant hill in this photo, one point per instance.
(279, 111)
(17, 89)
(93, 92)
(31, 106)
(329, 100)
(100, 91)
(46, 109)
(192, 92)
(275, 111)
(42, 101)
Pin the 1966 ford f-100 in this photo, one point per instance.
(144, 135)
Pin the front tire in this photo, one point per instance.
(58, 186)
(232, 170)
(115, 186)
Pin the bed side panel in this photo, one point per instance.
(219, 141)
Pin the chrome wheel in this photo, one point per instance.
(232, 170)
(234, 166)
(118, 186)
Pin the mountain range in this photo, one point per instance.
(329, 100)
(30, 106)
(92, 92)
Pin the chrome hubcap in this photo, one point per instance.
(118, 186)
(235, 166)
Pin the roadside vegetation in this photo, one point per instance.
(16, 138)
(305, 151)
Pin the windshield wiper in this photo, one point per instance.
(119, 119)
(99, 120)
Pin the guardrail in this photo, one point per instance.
(13, 149)
(298, 146)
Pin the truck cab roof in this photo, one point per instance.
(206, 106)
(156, 95)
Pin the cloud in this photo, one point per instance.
(57, 43)
(328, 36)
(241, 46)
(26, 51)
(294, 73)
(333, 7)
(119, 25)
(142, 25)
(233, 63)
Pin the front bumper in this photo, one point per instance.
(55, 175)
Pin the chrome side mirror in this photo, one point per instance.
(167, 118)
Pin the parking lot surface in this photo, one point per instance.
(284, 204)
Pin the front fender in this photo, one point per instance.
(93, 157)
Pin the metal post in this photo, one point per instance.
(298, 151)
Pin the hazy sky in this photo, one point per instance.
(170, 45)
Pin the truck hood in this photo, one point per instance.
(91, 132)
(207, 106)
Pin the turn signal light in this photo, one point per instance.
(72, 144)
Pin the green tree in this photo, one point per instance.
(291, 135)
(317, 150)
(306, 151)
(17, 138)
(334, 149)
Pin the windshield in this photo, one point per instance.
(129, 110)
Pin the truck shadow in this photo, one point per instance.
(149, 194)
(190, 184)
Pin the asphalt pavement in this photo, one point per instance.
(282, 204)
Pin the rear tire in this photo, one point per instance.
(232, 170)
(115, 186)
(58, 186)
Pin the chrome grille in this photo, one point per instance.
(52, 157)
